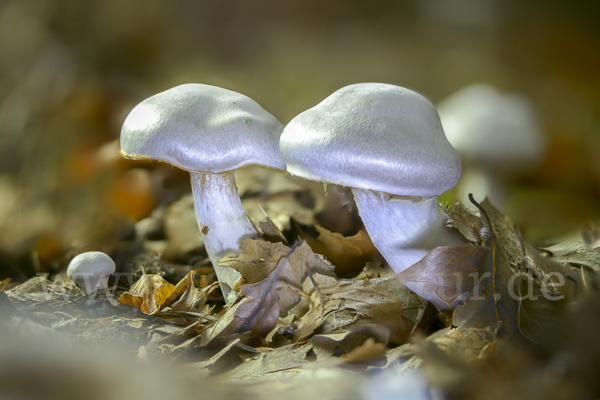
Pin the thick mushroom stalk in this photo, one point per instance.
(404, 228)
(386, 143)
(222, 221)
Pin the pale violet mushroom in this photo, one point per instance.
(386, 143)
(497, 134)
(210, 132)
(91, 270)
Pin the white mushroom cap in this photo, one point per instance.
(91, 270)
(202, 128)
(372, 136)
(493, 130)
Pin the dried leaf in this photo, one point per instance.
(281, 359)
(559, 277)
(457, 345)
(274, 296)
(322, 282)
(542, 316)
(260, 314)
(348, 254)
(374, 303)
(292, 264)
(490, 305)
(180, 287)
(214, 359)
(494, 303)
(148, 293)
(576, 253)
(411, 303)
(331, 344)
(314, 318)
(224, 326)
(270, 231)
(191, 300)
(446, 274)
(350, 303)
(468, 224)
(256, 260)
(3, 284)
(39, 290)
(369, 350)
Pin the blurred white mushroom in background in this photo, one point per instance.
(498, 137)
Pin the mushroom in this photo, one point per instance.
(91, 270)
(498, 136)
(386, 143)
(210, 132)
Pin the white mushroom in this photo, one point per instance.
(387, 143)
(210, 132)
(91, 270)
(497, 135)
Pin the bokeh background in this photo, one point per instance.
(70, 71)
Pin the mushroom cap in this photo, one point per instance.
(372, 136)
(202, 128)
(93, 264)
(492, 129)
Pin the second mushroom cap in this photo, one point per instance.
(372, 136)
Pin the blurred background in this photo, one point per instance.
(71, 71)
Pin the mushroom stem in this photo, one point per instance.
(222, 221)
(403, 228)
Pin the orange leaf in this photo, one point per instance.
(148, 293)
(181, 286)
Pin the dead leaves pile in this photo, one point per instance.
(292, 303)
(292, 311)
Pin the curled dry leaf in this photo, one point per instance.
(192, 299)
(180, 287)
(149, 293)
(448, 273)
